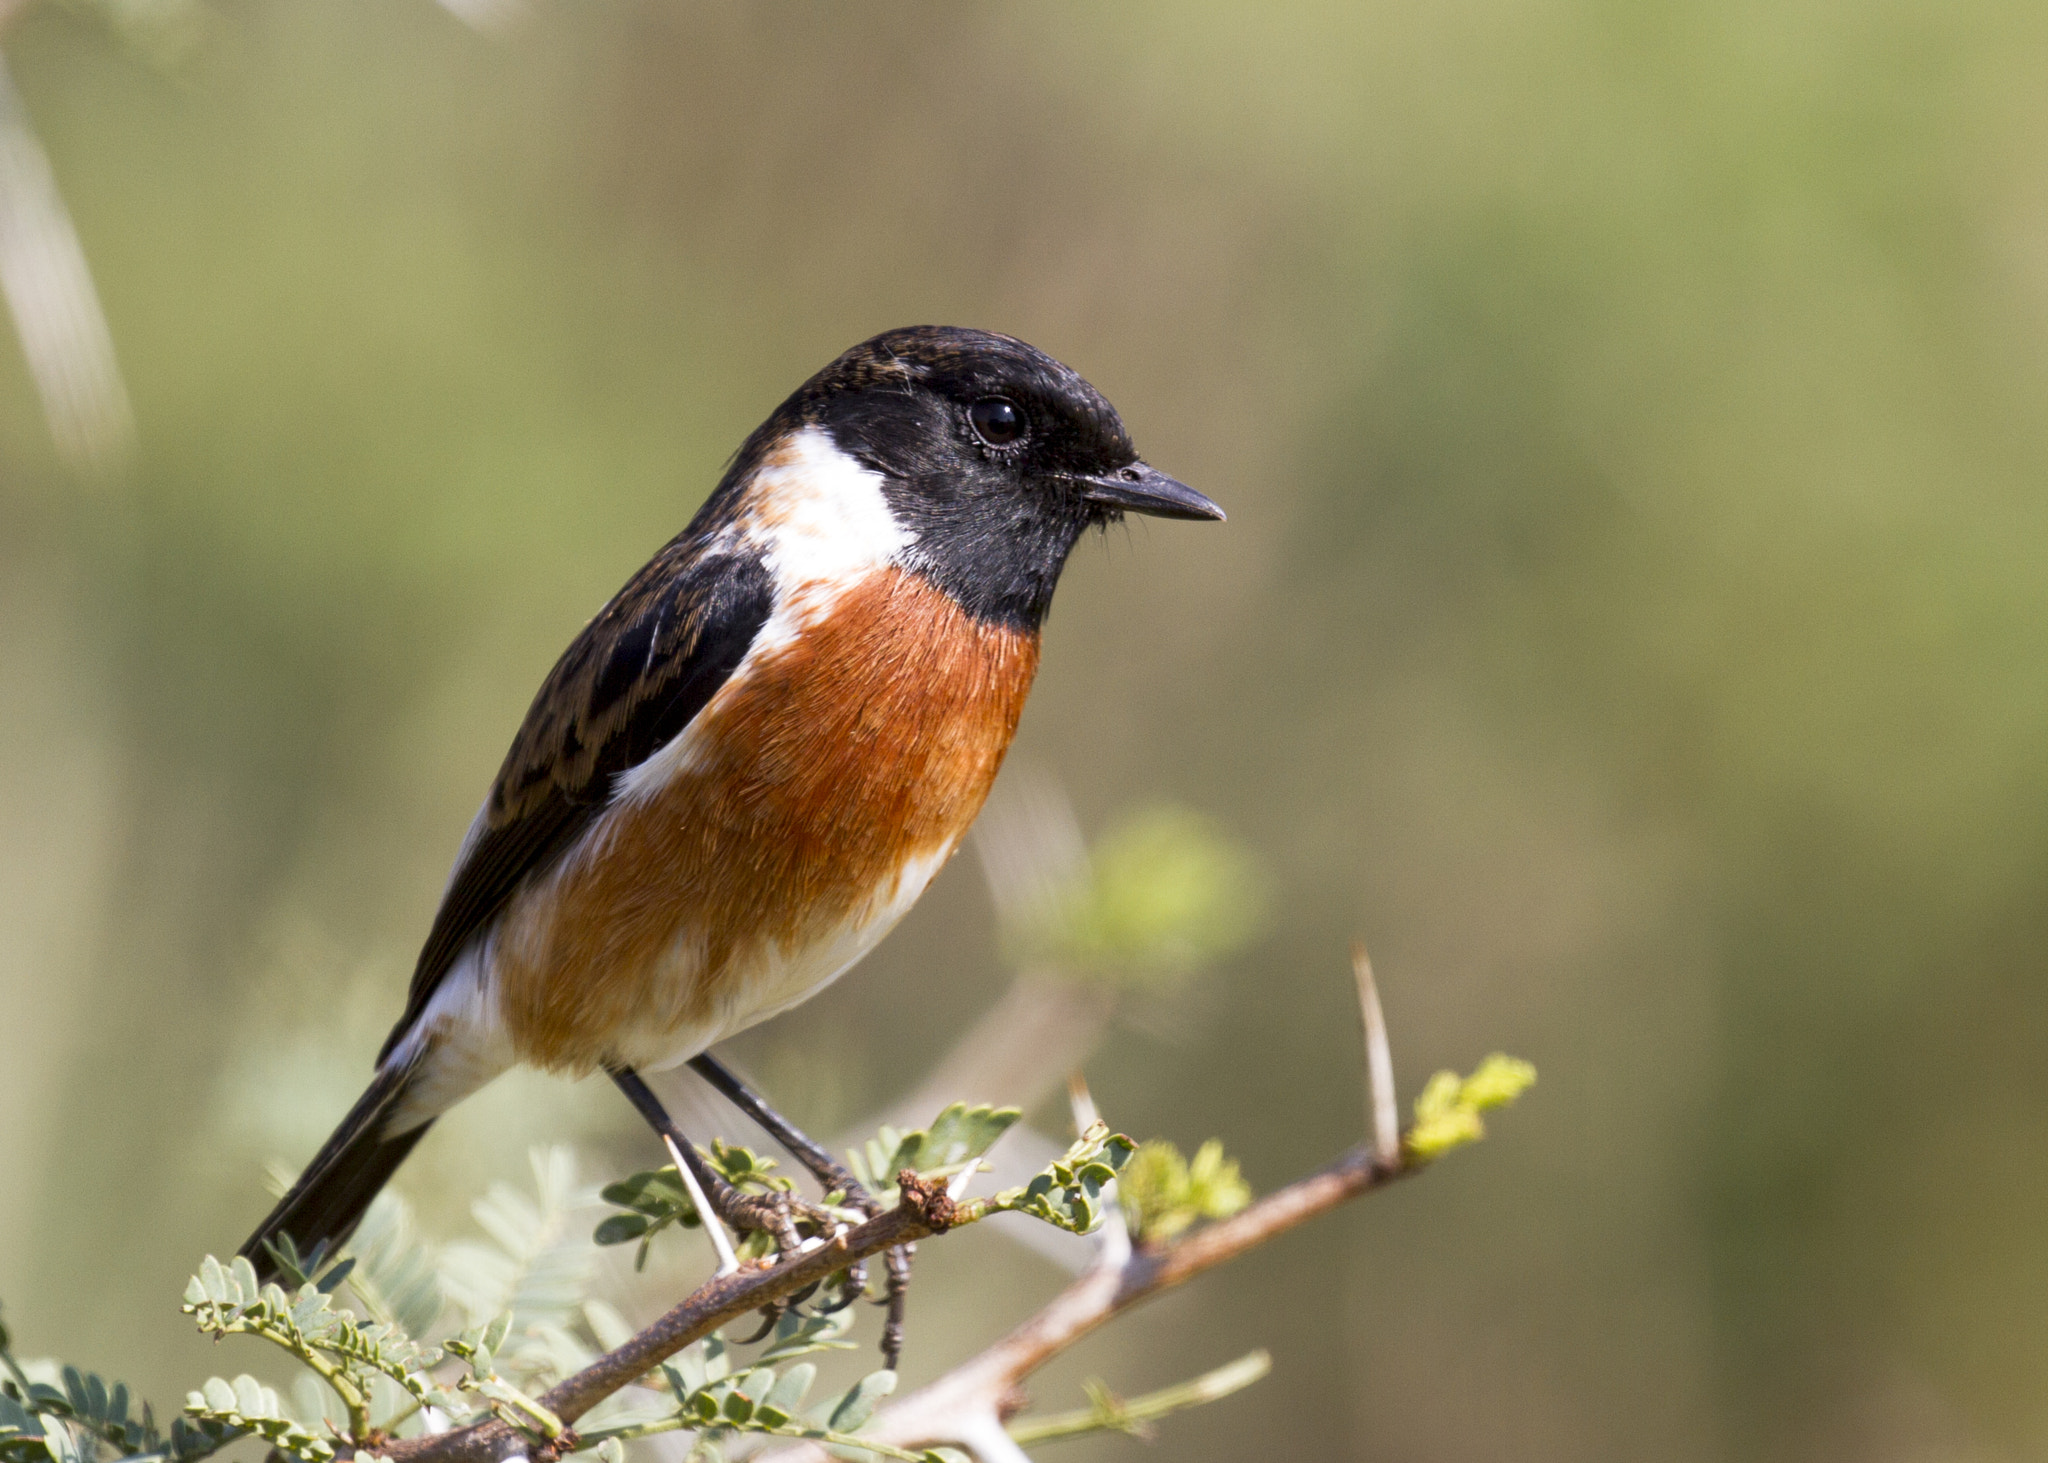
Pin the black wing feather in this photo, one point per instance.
(633, 680)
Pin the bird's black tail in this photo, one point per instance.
(345, 1175)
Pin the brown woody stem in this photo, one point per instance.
(723, 1299)
(980, 1389)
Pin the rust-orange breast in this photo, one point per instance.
(863, 745)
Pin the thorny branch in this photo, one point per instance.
(921, 1213)
(967, 1406)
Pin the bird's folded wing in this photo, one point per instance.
(634, 679)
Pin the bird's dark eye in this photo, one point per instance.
(996, 420)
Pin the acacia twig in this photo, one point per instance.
(963, 1406)
(1131, 1414)
(920, 1214)
(968, 1405)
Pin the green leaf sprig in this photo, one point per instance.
(1068, 1192)
(655, 1199)
(228, 1300)
(86, 1419)
(1163, 1194)
(955, 1141)
(226, 1411)
(718, 1404)
(1447, 1112)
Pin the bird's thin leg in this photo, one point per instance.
(805, 1149)
(812, 1155)
(808, 1152)
(716, 1198)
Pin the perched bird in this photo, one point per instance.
(749, 765)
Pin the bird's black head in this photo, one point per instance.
(993, 456)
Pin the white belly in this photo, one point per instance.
(781, 978)
(461, 1041)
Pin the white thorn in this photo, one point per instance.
(728, 1261)
(1082, 1102)
(1384, 1109)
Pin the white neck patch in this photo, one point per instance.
(820, 523)
(817, 515)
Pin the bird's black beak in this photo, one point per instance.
(1140, 488)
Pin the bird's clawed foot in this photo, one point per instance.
(788, 1223)
(760, 1205)
(847, 1191)
(775, 1225)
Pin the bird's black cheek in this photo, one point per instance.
(896, 436)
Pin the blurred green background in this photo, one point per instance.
(1631, 621)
